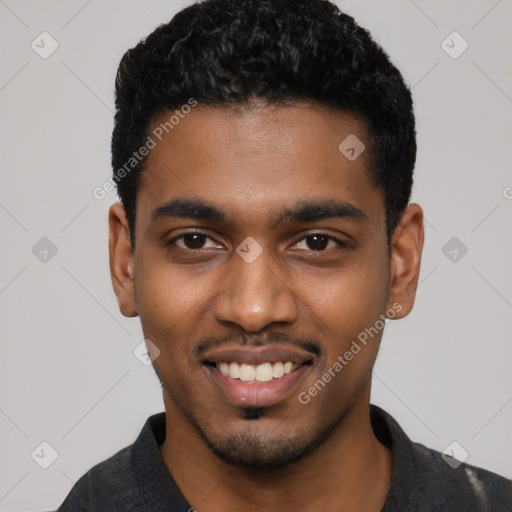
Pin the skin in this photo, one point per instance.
(251, 163)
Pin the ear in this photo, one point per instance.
(121, 260)
(406, 248)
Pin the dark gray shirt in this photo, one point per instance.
(136, 479)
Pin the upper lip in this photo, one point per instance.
(258, 355)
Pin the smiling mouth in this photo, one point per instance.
(263, 372)
(256, 376)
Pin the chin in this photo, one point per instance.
(257, 449)
(258, 454)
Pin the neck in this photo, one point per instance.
(358, 466)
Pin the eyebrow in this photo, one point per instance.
(183, 208)
(303, 211)
(312, 211)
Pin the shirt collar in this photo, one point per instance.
(156, 480)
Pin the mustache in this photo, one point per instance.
(259, 340)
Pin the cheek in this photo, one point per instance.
(168, 305)
(346, 308)
(165, 294)
(168, 302)
(347, 299)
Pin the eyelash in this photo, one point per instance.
(340, 243)
(173, 240)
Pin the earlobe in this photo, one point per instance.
(121, 260)
(405, 262)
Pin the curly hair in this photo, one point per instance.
(228, 52)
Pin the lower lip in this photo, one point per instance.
(256, 394)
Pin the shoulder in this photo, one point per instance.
(426, 480)
(109, 482)
(476, 488)
(461, 486)
(133, 479)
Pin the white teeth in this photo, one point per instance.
(264, 372)
(247, 372)
(234, 370)
(278, 370)
(224, 368)
(288, 367)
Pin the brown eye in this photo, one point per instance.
(317, 242)
(194, 240)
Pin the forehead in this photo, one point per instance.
(254, 160)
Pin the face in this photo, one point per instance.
(261, 257)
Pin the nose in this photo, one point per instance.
(254, 296)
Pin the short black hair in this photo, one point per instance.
(230, 52)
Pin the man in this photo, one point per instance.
(263, 153)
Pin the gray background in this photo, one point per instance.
(68, 374)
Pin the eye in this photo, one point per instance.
(318, 242)
(193, 241)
